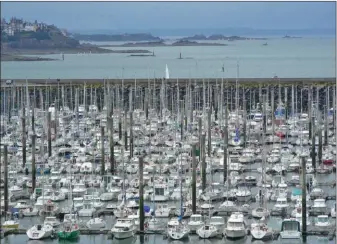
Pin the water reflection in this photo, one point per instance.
(157, 239)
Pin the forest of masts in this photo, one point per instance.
(180, 100)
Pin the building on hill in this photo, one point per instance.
(29, 27)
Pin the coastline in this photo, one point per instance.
(18, 54)
(160, 44)
(12, 57)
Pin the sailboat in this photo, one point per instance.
(70, 229)
(154, 223)
(167, 73)
(38, 232)
(180, 231)
(122, 211)
(261, 231)
(262, 211)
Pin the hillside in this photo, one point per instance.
(47, 40)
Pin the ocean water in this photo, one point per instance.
(158, 239)
(305, 57)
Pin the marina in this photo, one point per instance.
(159, 161)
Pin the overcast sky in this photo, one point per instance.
(176, 15)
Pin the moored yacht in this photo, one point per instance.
(195, 222)
(290, 229)
(123, 229)
(38, 232)
(207, 231)
(236, 227)
(261, 231)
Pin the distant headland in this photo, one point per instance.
(149, 39)
(19, 37)
(220, 37)
(291, 37)
(161, 43)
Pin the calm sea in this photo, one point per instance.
(157, 239)
(305, 57)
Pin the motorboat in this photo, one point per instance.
(88, 210)
(10, 224)
(260, 212)
(28, 212)
(22, 205)
(96, 224)
(97, 204)
(52, 221)
(195, 222)
(78, 203)
(70, 218)
(49, 209)
(319, 207)
(79, 190)
(219, 223)
(206, 208)
(281, 204)
(290, 229)
(58, 196)
(154, 224)
(333, 211)
(162, 211)
(236, 227)
(38, 232)
(161, 193)
(123, 229)
(322, 221)
(108, 196)
(317, 193)
(243, 194)
(226, 207)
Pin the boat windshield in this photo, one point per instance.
(323, 219)
(195, 218)
(235, 224)
(159, 191)
(290, 226)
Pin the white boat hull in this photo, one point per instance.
(206, 234)
(122, 234)
(30, 213)
(235, 234)
(44, 233)
(261, 234)
(290, 235)
(243, 198)
(178, 235)
(194, 227)
(96, 224)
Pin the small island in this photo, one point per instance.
(219, 37)
(179, 43)
(291, 37)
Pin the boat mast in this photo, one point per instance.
(181, 192)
